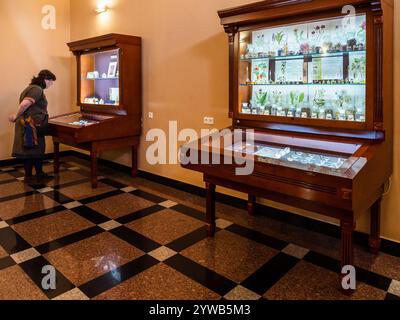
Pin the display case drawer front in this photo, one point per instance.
(297, 183)
(58, 130)
(316, 189)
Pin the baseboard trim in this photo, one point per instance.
(47, 156)
(360, 238)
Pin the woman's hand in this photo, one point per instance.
(12, 118)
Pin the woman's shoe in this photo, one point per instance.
(44, 177)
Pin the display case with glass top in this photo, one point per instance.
(109, 85)
(314, 84)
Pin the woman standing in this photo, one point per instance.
(30, 126)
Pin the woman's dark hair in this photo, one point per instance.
(42, 76)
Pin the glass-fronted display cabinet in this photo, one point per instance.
(311, 102)
(316, 70)
(109, 94)
(99, 72)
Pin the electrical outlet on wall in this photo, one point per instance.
(151, 115)
(209, 120)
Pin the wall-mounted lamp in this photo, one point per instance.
(101, 8)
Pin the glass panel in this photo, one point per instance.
(288, 156)
(313, 70)
(100, 78)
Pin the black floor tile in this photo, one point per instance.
(35, 215)
(392, 297)
(58, 197)
(37, 186)
(34, 270)
(199, 215)
(188, 240)
(148, 196)
(117, 276)
(90, 214)
(202, 275)
(323, 261)
(18, 196)
(113, 183)
(101, 197)
(7, 181)
(12, 242)
(270, 273)
(135, 239)
(373, 279)
(258, 237)
(67, 240)
(139, 214)
(70, 184)
(6, 262)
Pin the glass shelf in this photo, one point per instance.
(313, 70)
(96, 89)
(303, 84)
(305, 56)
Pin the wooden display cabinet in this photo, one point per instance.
(316, 86)
(109, 93)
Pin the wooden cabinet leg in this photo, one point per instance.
(210, 209)
(347, 251)
(56, 157)
(374, 239)
(134, 171)
(251, 203)
(93, 162)
(347, 229)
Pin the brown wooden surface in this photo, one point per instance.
(251, 203)
(108, 40)
(87, 87)
(375, 237)
(210, 208)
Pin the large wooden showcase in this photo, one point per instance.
(316, 86)
(109, 94)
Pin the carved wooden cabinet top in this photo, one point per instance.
(272, 9)
(108, 40)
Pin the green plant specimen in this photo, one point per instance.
(358, 67)
(282, 77)
(278, 37)
(299, 35)
(296, 99)
(341, 98)
(319, 98)
(277, 97)
(261, 98)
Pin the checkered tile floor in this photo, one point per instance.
(121, 241)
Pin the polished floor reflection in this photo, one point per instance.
(137, 239)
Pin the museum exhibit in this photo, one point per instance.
(228, 152)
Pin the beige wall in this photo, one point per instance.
(26, 48)
(186, 75)
(185, 64)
